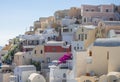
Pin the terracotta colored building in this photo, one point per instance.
(55, 49)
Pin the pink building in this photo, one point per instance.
(92, 14)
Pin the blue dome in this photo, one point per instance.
(107, 42)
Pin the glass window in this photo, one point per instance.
(48, 59)
(108, 55)
(90, 53)
(41, 51)
(92, 10)
(65, 30)
(82, 37)
(107, 10)
(35, 52)
(85, 36)
(64, 75)
(86, 9)
(84, 19)
(74, 48)
(79, 36)
(82, 29)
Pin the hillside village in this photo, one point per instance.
(75, 45)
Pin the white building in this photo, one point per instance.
(68, 32)
(77, 46)
(49, 34)
(30, 41)
(59, 73)
(23, 72)
(67, 21)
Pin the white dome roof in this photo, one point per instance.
(36, 76)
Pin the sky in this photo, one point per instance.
(16, 16)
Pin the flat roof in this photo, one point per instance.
(89, 26)
(107, 42)
(112, 23)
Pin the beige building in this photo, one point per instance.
(61, 14)
(19, 58)
(45, 21)
(74, 12)
(99, 63)
(5, 72)
(105, 56)
(4, 77)
(92, 14)
(31, 31)
(38, 53)
(22, 58)
(86, 34)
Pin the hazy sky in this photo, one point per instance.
(17, 15)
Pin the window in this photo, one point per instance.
(74, 48)
(79, 36)
(37, 42)
(92, 10)
(107, 55)
(20, 77)
(82, 37)
(35, 52)
(48, 59)
(85, 36)
(48, 38)
(41, 51)
(64, 75)
(65, 30)
(82, 30)
(115, 80)
(86, 9)
(90, 53)
(71, 30)
(78, 48)
(81, 48)
(84, 19)
(107, 10)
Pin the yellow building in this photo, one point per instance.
(105, 56)
(19, 58)
(74, 12)
(38, 53)
(86, 34)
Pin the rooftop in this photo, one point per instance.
(30, 37)
(107, 42)
(58, 43)
(112, 23)
(89, 26)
